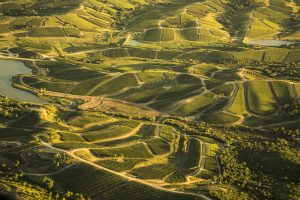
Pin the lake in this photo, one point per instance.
(133, 43)
(271, 43)
(8, 69)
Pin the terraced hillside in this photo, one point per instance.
(151, 99)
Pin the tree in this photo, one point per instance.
(17, 163)
(48, 182)
(119, 158)
(185, 143)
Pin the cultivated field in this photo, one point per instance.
(151, 99)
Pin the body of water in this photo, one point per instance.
(271, 43)
(133, 43)
(8, 69)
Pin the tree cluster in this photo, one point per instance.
(10, 109)
(292, 109)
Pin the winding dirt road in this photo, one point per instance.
(117, 173)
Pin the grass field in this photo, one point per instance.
(283, 92)
(92, 178)
(193, 156)
(260, 97)
(133, 151)
(224, 90)
(85, 120)
(125, 165)
(147, 131)
(110, 133)
(194, 105)
(115, 85)
(220, 118)
(154, 171)
(158, 146)
(239, 104)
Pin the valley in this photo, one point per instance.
(150, 99)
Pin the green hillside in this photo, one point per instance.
(150, 99)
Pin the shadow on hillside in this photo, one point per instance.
(40, 7)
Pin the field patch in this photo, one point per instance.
(260, 97)
(194, 105)
(133, 151)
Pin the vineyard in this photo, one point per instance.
(150, 99)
